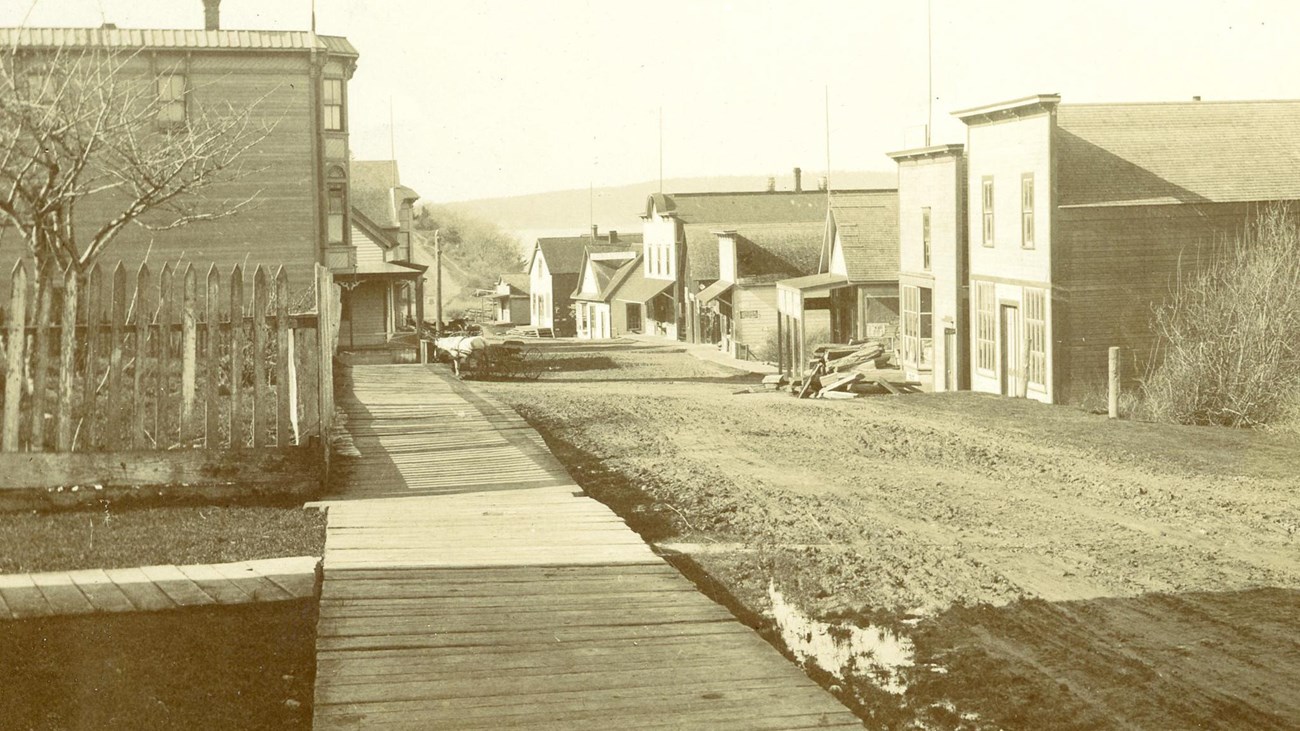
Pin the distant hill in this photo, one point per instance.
(570, 211)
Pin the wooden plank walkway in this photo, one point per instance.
(490, 594)
(155, 588)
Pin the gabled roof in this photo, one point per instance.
(635, 287)
(609, 274)
(517, 281)
(785, 217)
(1179, 152)
(563, 254)
(867, 225)
(779, 250)
(375, 189)
(371, 230)
(182, 39)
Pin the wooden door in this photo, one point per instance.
(949, 359)
(1009, 347)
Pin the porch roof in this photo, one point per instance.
(813, 283)
(713, 291)
(381, 269)
(639, 289)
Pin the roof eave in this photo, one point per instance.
(1025, 106)
(922, 153)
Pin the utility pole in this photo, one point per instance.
(437, 281)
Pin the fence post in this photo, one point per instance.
(237, 338)
(1114, 383)
(40, 358)
(67, 362)
(212, 408)
(141, 317)
(117, 435)
(283, 428)
(189, 353)
(162, 409)
(325, 358)
(15, 342)
(94, 323)
(260, 306)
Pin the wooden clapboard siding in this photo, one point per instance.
(759, 300)
(1112, 265)
(468, 583)
(281, 227)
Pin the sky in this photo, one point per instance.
(508, 97)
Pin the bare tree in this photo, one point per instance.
(77, 125)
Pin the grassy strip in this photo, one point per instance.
(125, 537)
(235, 667)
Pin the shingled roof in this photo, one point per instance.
(375, 189)
(785, 216)
(563, 254)
(867, 225)
(1179, 152)
(779, 250)
(179, 39)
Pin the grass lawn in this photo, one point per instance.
(138, 536)
(226, 667)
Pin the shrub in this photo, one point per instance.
(1229, 337)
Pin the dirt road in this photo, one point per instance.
(1052, 569)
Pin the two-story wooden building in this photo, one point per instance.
(932, 273)
(681, 247)
(510, 299)
(295, 180)
(1082, 216)
(603, 272)
(554, 267)
(382, 290)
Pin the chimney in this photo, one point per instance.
(613, 236)
(821, 183)
(771, 185)
(594, 235)
(798, 180)
(212, 14)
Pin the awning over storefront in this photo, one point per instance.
(639, 289)
(713, 291)
(815, 285)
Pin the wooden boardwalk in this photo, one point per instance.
(470, 584)
(155, 588)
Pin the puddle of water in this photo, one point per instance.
(844, 649)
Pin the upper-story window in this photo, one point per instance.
(1027, 210)
(337, 207)
(925, 238)
(987, 200)
(332, 101)
(171, 99)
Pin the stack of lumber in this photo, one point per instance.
(853, 356)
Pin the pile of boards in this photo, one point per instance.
(847, 371)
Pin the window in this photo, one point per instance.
(332, 99)
(1036, 333)
(918, 326)
(1027, 211)
(985, 327)
(171, 99)
(337, 207)
(987, 237)
(925, 238)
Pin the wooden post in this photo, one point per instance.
(141, 317)
(261, 432)
(67, 362)
(90, 386)
(283, 427)
(189, 353)
(41, 357)
(420, 356)
(325, 361)
(1023, 385)
(117, 435)
(212, 329)
(15, 341)
(162, 412)
(437, 282)
(1114, 383)
(237, 338)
